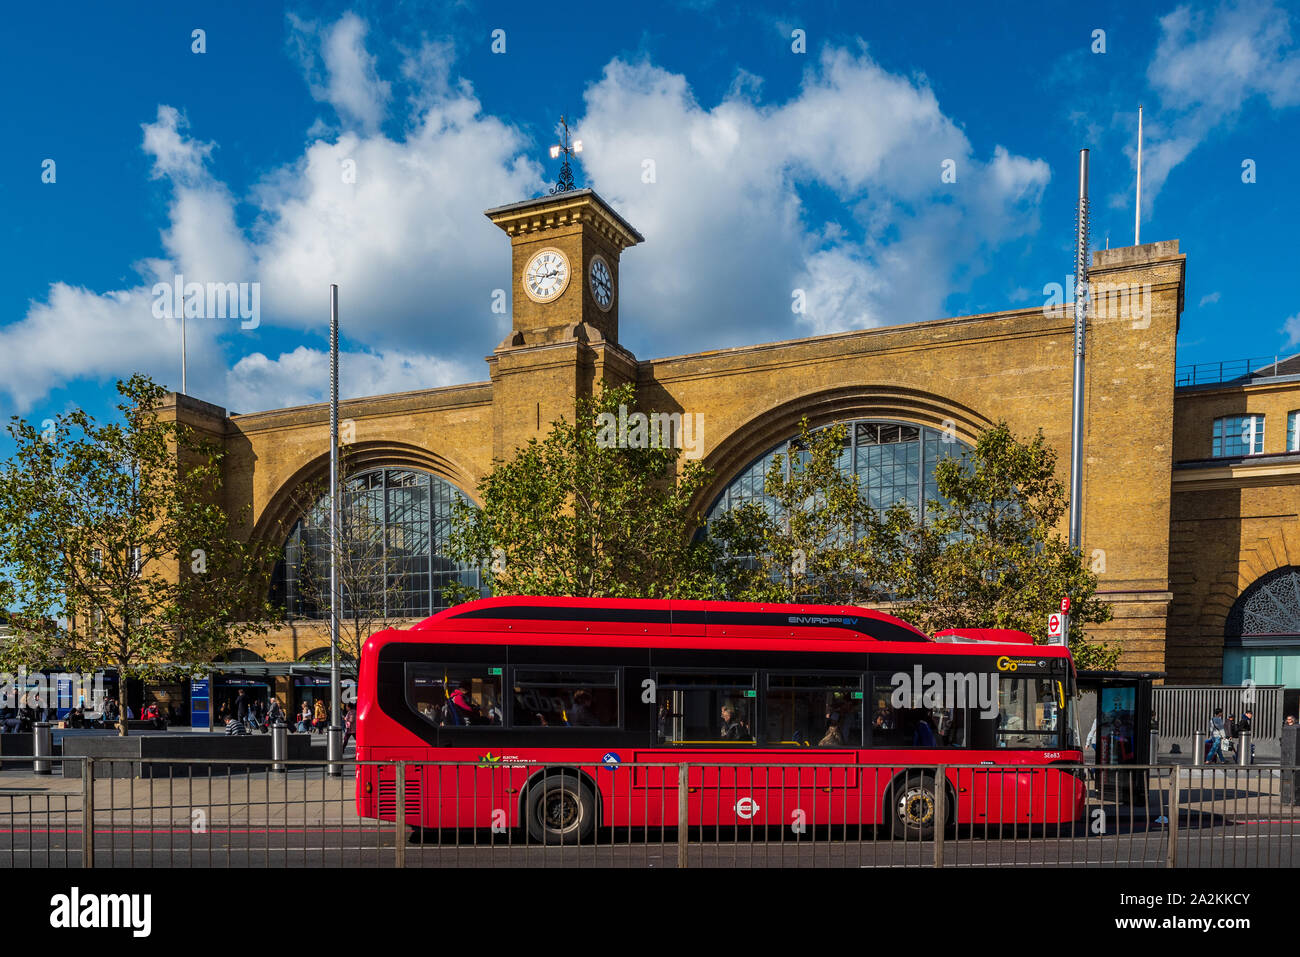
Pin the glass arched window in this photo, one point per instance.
(394, 529)
(894, 461)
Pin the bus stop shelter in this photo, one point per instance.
(1115, 716)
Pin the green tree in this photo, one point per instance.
(118, 552)
(990, 557)
(586, 512)
(820, 541)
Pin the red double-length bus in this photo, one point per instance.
(833, 710)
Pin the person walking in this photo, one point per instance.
(320, 717)
(1218, 732)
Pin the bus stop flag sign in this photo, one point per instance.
(1055, 629)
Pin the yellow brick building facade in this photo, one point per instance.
(1175, 534)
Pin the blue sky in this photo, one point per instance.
(774, 170)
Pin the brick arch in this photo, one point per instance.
(1280, 548)
(280, 512)
(774, 425)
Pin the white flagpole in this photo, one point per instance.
(184, 390)
(1137, 214)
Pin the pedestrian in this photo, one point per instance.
(242, 711)
(349, 723)
(320, 717)
(276, 714)
(1217, 733)
(304, 718)
(1243, 728)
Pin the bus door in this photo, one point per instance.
(772, 766)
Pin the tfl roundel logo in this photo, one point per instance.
(611, 759)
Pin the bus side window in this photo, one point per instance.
(565, 698)
(814, 711)
(706, 709)
(455, 695)
(902, 717)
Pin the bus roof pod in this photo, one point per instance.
(991, 636)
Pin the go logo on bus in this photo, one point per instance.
(1011, 664)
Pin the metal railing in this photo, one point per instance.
(1213, 373)
(197, 813)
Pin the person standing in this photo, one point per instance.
(349, 723)
(241, 708)
(1244, 727)
(320, 717)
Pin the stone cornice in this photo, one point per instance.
(1197, 476)
(421, 400)
(572, 208)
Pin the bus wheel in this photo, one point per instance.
(561, 810)
(912, 807)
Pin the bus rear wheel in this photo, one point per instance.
(560, 810)
(912, 807)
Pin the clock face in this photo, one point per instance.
(602, 282)
(547, 275)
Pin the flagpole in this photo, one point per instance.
(1080, 328)
(184, 390)
(334, 741)
(1137, 213)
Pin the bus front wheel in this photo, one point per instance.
(912, 807)
(561, 810)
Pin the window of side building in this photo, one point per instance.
(1236, 435)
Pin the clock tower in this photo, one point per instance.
(565, 249)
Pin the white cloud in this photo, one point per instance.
(729, 237)
(80, 334)
(1291, 329)
(301, 376)
(1206, 67)
(397, 222)
(350, 82)
(1209, 299)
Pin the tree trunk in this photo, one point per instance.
(121, 703)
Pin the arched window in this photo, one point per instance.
(1270, 607)
(1262, 635)
(394, 528)
(894, 461)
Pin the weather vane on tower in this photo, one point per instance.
(566, 173)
